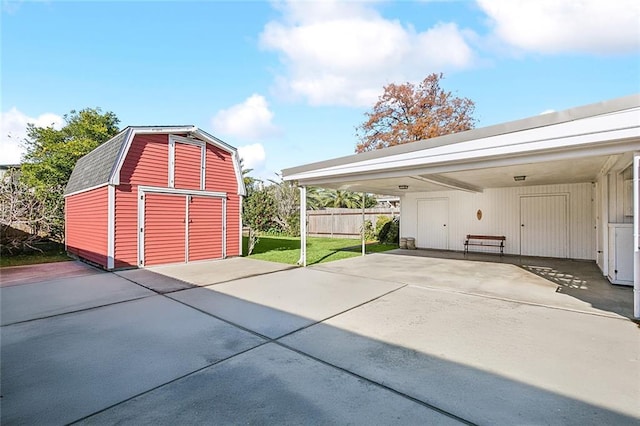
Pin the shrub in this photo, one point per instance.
(380, 221)
(390, 232)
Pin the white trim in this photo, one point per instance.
(172, 163)
(203, 167)
(175, 191)
(173, 139)
(186, 227)
(364, 242)
(111, 225)
(160, 130)
(614, 115)
(241, 248)
(498, 161)
(140, 232)
(636, 234)
(224, 228)
(114, 179)
(85, 190)
(190, 141)
(187, 193)
(303, 227)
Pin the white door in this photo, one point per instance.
(433, 218)
(544, 226)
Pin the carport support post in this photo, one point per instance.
(636, 234)
(363, 224)
(303, 226)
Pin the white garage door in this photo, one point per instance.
(544, 226)
(433, 218)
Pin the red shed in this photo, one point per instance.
(155, 195)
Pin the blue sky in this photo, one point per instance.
(287, 82)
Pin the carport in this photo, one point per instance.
(561, 185)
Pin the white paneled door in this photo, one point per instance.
(433, 219)
(544, 226)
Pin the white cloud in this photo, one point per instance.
(555, 26)
(548, 111)
(253, 156)
(251, 119)
(14, 131)
(343, 53)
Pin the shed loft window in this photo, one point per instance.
(186, 163)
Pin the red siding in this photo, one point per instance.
(164, 229)
(233, 225)
(86, 225)
(188, 166)
(221, 176)
(205, 228)
(126, 226)
(147, 162)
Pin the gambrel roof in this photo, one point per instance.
(102, 165)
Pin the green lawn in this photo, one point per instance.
(319, 250)
(56, 255)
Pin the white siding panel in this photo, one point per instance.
(433, 219)
(501, 215)
(544, 227)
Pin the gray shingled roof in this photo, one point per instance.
(95, 168)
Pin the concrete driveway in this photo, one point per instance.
(383, 339)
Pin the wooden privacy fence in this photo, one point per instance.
(344, 223)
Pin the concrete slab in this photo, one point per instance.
(154, 281)
(218, 271)
(279, 303)
(17, 275)
(58, 370)
(43, 299)
(486, 360)
(270, 385)
(501, 280)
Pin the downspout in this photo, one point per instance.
(363, 225)
(303, 227)
(636, 234)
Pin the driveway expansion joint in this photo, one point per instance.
(381, 385)
(519, 302)
(78, 310)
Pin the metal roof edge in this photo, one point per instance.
(537, 121)
(212, 139)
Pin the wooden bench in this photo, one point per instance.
(485, 241)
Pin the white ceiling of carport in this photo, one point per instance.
(577, 170)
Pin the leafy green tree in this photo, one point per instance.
(346, 199)
(259, 211)
(52, 154)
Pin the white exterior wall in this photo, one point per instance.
(501, 216)
(613, 208)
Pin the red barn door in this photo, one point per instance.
(179, 228)
(164, 229)
(205, 228)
